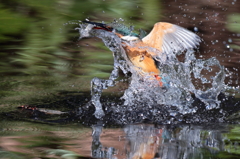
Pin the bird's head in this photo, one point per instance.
(122, 31)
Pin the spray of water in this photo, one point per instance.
(179, 79)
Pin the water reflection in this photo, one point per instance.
(148, 141)
(135, 141)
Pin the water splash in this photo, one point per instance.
(182, 79)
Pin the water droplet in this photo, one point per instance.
(195, 29)
(230, 40)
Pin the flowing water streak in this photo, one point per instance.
(145, 91)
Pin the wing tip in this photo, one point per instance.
(190, 37)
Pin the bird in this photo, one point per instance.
(148, 149)
(146, 51)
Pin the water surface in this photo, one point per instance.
(46, 74)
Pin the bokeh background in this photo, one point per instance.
(41, 55)
(42, 60)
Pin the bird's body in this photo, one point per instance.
(141, 57)
(145, 52)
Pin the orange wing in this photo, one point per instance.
(169, 38)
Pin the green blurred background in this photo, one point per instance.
(42, 60)
(38, 37)
(40, 54)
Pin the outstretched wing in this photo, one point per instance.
(169, 38)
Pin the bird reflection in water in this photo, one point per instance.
(146, 141)
(140, 142)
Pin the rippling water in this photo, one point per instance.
(132, 141)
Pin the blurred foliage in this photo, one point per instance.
(11, 155)
(40, 45)
(28, 140)
(65, 154)
(232, 141)
(11, 24)
(233, 24)
(35, 35)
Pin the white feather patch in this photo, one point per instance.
(129, 38)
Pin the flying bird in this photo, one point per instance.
(146, 52)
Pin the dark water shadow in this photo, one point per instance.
(78, 109)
